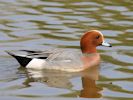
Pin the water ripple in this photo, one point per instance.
(26, 24)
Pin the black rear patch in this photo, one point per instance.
(22, 60)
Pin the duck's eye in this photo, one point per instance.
(97, 37)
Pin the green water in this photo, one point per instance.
(44, 24)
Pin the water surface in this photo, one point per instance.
(44, 24)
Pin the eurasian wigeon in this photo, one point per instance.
(65, 60)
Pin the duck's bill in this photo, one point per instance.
(106, 44)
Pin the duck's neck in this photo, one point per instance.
(89, 49)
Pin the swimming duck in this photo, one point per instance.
(65, 60)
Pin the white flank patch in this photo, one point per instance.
(36, 63)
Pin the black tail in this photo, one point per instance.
(23, 61)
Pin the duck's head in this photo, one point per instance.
(90, 40)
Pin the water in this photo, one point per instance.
(26, 24)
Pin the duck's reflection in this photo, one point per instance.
(60, 79)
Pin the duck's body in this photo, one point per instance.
(64, 60)
(57, 59)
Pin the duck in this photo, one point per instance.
(64, 60)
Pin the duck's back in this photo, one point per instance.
(65, 60)
(56, 59)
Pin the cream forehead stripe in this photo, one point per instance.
(98, 32)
